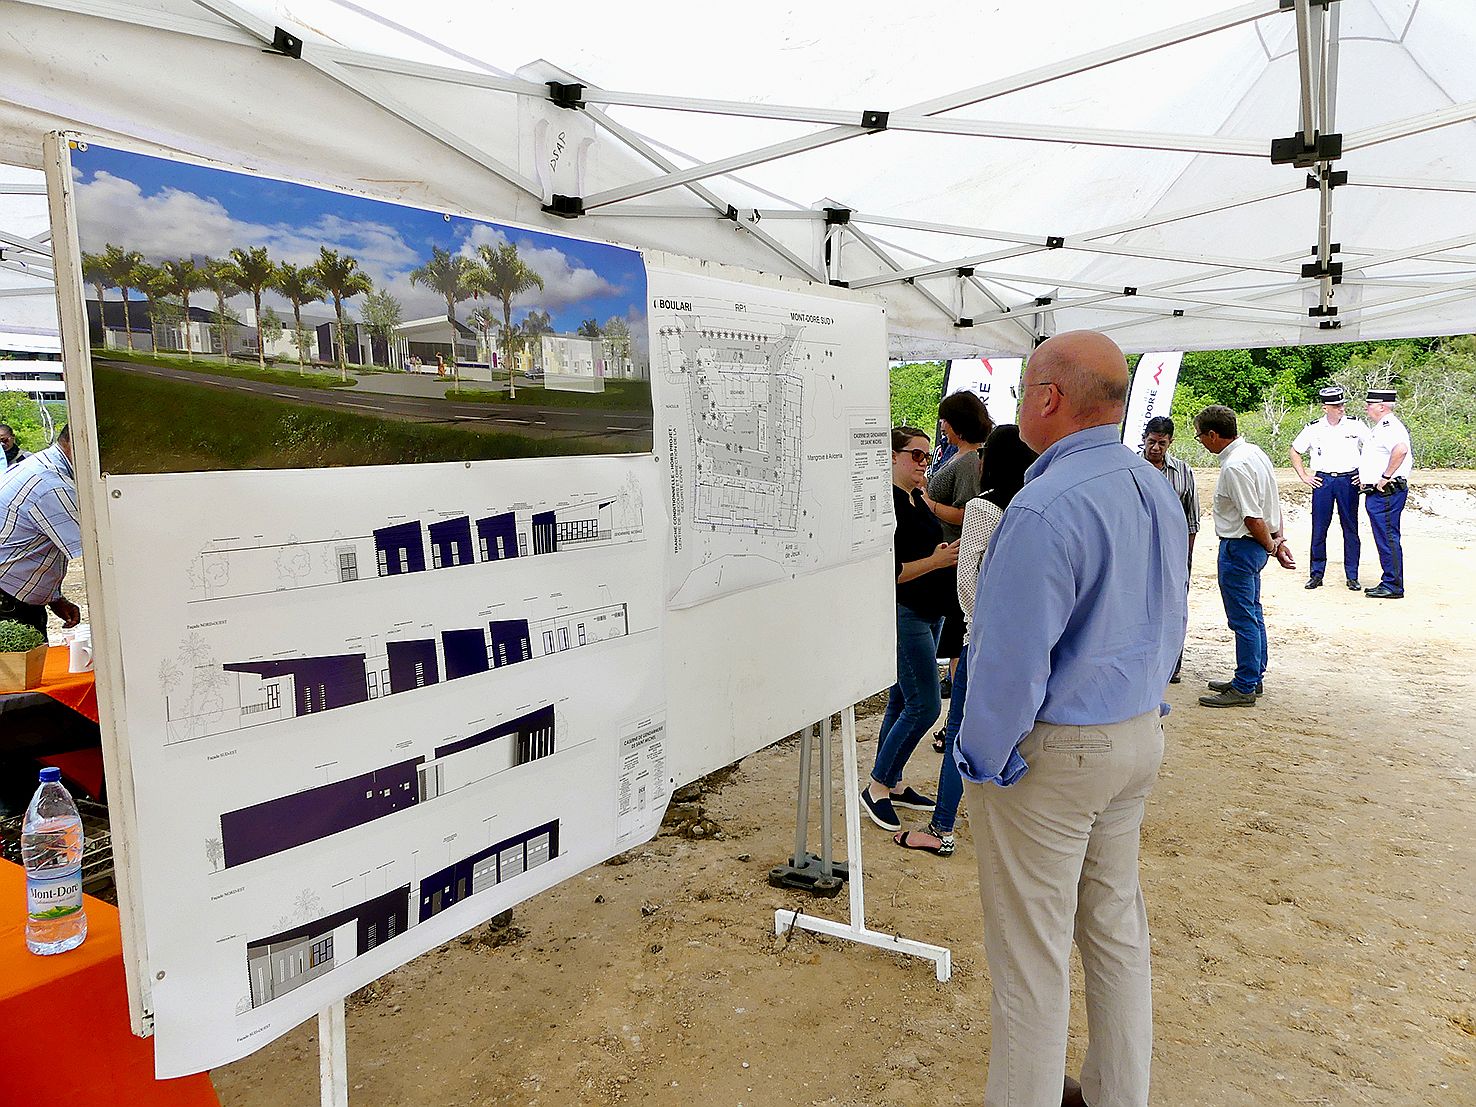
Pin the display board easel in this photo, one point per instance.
(856, 930)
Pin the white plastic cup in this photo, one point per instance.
(79, 649)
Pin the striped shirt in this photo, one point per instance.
(1181, 479)
(38, 526)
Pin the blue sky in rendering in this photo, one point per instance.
(169, 209)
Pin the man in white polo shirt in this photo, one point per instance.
(1336, 446)
(1247, 514)
(1387, 462)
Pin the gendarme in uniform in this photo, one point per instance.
(1335, 443)
(1384, 475)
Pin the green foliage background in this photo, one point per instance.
(1274, 392)
(20, 412)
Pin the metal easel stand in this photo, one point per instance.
(807, 872)
(856, 930)
(333, 1056)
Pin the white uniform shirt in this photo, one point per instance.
(1382, 439)
(1246, 489)
(1336, 449)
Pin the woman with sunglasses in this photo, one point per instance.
(1002, 473)
(924, 595)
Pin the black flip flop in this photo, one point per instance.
(903, 840)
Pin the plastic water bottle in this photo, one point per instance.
(51, 849)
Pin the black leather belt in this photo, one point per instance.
(1349, 473)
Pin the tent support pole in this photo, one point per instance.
(856, 930)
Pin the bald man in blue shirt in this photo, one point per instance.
(1079, 618)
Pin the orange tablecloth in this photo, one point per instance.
(93, 1057)
(76, 690)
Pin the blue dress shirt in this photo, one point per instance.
(38, 526)
(1082, 602)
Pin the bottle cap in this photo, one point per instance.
(50, 775)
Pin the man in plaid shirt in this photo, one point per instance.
(39, 534)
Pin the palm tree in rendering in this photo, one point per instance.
(300, 285)
(180, 278)
(95, 272)
(505, 275)
(220, 278)
(125, 268)
(341, 278)
(534, 326)
(448, 274)
(486, 321)
(253, 271)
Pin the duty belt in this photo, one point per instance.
(1398, 484)
(1349, 473)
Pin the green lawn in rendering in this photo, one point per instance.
(148, 425)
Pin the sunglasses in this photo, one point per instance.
(922, 457)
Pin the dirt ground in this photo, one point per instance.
(1309, 867)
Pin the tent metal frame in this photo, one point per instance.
(881, 264)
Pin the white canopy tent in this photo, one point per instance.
(995, 174)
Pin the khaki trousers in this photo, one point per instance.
(1058, 858)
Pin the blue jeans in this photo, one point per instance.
(950, 784)
(914, 701)
(1240, 565)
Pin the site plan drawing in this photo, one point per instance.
(369, 708)
(772, 421)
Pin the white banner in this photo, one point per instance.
(1152, 394)
(996, 380)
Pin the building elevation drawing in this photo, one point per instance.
(291, 958)
(280, 824)
(235, 568)
(273, 689)
(769, 403)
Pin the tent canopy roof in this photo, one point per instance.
(1116, 173)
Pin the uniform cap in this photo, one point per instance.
(1332, 395)
(1381, 396)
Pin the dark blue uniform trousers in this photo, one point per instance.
(1342, 491)
(1383, 519)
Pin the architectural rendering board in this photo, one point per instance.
(343, 330)
(771, 419)
(368, 708)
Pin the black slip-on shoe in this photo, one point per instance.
(912, 799)
(880, 811)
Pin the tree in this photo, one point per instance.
(342, 279)
(1229, 377)
(180, 278)
(254, 271)
(590, 328)
(916, 390)
(535, 325)
(95, 272)
(381, 315)
(450, 275)
(505, 275)
(270, 327)
(617, 336)
(486, 321)
(300, 285)
(220, 280)
(124, 267)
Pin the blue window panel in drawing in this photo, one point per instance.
(545, 533)
(498, 535)
(412, 664)
(321, 683)
(451, 542)
(510, 641)
(400, 549)
(466, 652)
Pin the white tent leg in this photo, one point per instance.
(333, 1056)
(856, 930)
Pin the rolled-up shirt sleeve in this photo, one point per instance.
(1025, 600)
